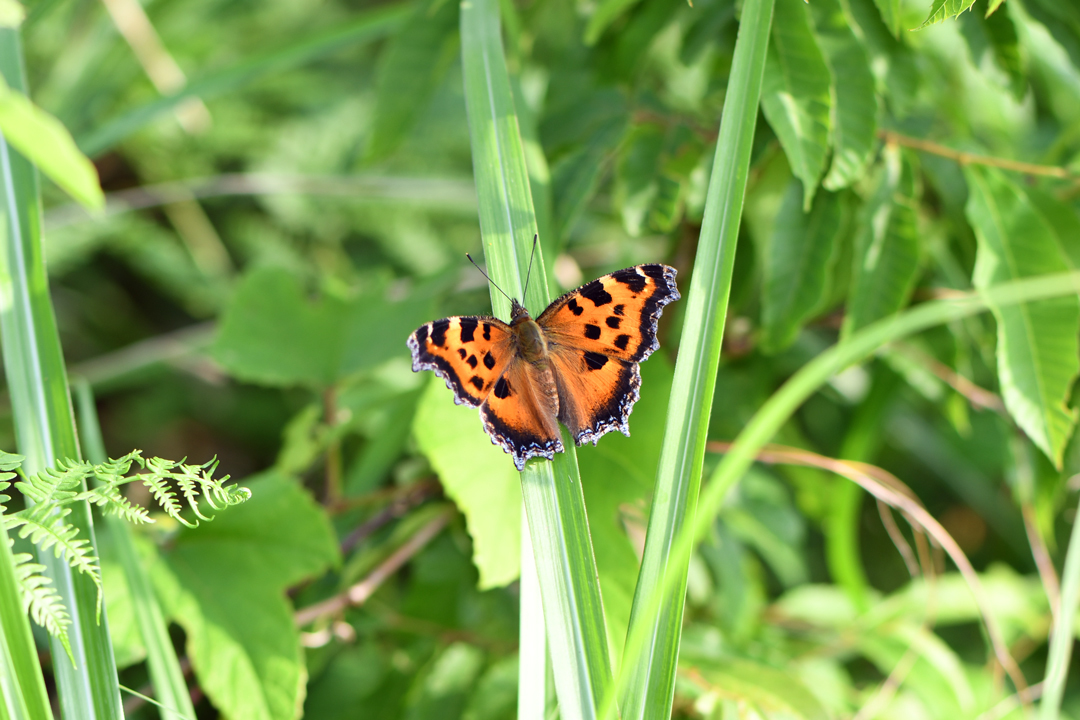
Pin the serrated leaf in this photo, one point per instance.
(1037, 350)
(854, 117)
(409, 71)
(478, 476)
(273, 335)
(44, 141)
(888, 249)
(795, 96)
(796, 265)
(225, 584)
(942, 10)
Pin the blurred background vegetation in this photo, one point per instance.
(290, 194)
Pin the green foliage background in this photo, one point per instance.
(277, 225)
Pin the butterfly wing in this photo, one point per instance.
(597, 335)
(469, 353)
(520, 412)
(476, 357)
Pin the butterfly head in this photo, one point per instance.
(518, 313)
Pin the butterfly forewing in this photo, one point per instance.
(469, 353)
(614, 315)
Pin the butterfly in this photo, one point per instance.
(577, 363)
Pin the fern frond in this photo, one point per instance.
(110, 500)
(194, 481)
(57, 485)
(41, 600)
(10, 461)
(52, 532)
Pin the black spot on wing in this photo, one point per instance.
(502, 389)
(468, 327)
(487, 331)
(622, 341)
(489, 360)
(594, 360)
(574, 307)
(421, 336)
(631, 278)
(619, 310)
(472, 361)
(592, 332)
(438, 332)
(477, 382)
(614, 322)
(462, 353)
(595, 291)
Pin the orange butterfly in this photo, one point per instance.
(577, 362)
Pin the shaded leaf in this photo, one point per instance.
(887, 248)
(1037, 349)
(796, 265)
(796, 94)
(854, 119)
(890, 14)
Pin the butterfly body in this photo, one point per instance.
(577, 363)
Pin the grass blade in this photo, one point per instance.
(566, 568)
(41, 406)
(647, 683)
(1061, 639)
(22, 686)
(170, 690)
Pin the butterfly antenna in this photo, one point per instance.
(488, 278)
(532, 257)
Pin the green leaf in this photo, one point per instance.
(996, 35)
(409, 71)
(273, 335)
(942, 10)
(225, 584)
(890, 15)
(635, 175)
(796, 96)
(44, 141)
(605, 13)
(796, 265)
(774, 692)
(479, 477)
(887, 249)
(1037, 350)
(441, 692)
(854, 122)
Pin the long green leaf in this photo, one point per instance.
(796, 96)
(371, 26)
(170, 689)
(1061, 635)
(566, 569)
(37, 379)
(647, 680)
(1037, 348)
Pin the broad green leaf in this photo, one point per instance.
(854, 121)
(44, 141)
(1037, 349)
(409, 70)
(996, 35)
(796, 94)
(890, 15)
(605, 12)
(478, 476)
(442, 690)
(225, 583)
(887, 248)
(937, 676)
(495, 696)
(942, 10)
(273, 335)
(796, 265)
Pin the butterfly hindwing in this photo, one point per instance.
(596, 394)
(614, 315)
(520, 413)
(469, 353)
